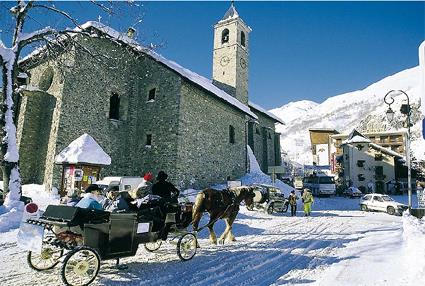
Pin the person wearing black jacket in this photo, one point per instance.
(163, 188)
(169, 193)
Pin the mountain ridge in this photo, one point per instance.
(362, 109)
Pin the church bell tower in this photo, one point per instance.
(230, 56)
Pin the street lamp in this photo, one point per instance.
(406, 110)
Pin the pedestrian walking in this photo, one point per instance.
(293, 202)
(307, 199)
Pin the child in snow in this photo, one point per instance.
(307, 199)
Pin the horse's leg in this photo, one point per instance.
(198, 210)
(213, 237)
(227, 230)
(224, 234)
(229, 222)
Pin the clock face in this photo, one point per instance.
(243, 63)
(224, 61)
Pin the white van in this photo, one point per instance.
(320, 185)
(298, 183)
(124, 183)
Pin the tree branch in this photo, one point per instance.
(66, 15)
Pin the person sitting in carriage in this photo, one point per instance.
(91, 198)
(115, 200)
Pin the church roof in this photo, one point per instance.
(231, 13)
(265, 112)
(84, 149)
(186, 73)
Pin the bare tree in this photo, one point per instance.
(51, 38)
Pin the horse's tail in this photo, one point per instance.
(198, 209)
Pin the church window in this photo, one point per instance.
(242, 38)
(270, 136)
(225, 36)
(114, 106)
(151, 95)
(231, 134)
(257, 131)
(148, 140)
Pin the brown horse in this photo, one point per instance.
(221, 205)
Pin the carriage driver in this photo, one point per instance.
(165, 189)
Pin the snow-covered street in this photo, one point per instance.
(338, 245)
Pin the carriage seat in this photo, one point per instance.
(73, 216)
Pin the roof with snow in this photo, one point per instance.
(324, 130)
(386, 150)
(231, 13)
(193, 77)
(356, 137)
(265, 112)
(84, 149)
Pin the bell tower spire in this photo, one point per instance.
(230, 54)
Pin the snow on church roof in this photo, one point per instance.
(262, 110)
(190, 75)
(231, 13)
(84, 149)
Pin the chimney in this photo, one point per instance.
(130, 32)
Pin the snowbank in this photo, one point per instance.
(256, 176)
(414, 252)
(11, 213)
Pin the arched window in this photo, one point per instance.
(242, 38)
(114, 106)
(225, 36)
(231, 134)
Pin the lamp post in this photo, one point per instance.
(406, 110)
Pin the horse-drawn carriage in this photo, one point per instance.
(84, 237)
(269, 199)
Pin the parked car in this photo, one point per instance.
(269, 199)
(352, 192)
(320, 185)
(383, 203)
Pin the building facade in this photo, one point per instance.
(146, 112)
(366, 165)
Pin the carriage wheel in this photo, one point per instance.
(186, 246)
(80, 266)
(46, 259)
(153, 246)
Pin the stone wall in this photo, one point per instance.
(263, 142)
(205, 154)
(86, 107)
(188, 126)
(39, 114)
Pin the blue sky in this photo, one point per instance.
(298, 50)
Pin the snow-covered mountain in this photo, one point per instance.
(294, 110)
(362, 109)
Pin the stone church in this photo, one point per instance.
(147, 113)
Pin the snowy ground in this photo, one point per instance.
(338, 245)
